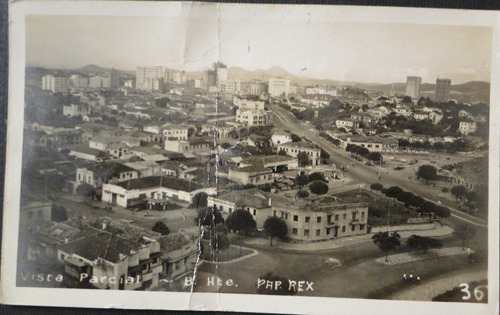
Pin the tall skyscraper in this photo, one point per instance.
(413, 86)
(143, 73)
(443, 87)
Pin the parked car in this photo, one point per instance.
(398, 168)
(369, 163)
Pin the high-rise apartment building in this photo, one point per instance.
(413, 86)
(278, 87)
(55, 84)
(443, 87)
(143, 73)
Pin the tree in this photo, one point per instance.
(302, 194)
(275, 226)
(427, 172)
(423, 243)
(208, 216)
(458, 191)
(416, 201)
(405, 197)
(376, 186)
(233, 134)
(282, 152)
(351, 147)
(442, 212)
(393, 192)
(375, 156)
(161, 228)
(225, 145)
(318, 187)
(317, 176)
(303, 159)
(363, 152)
(84, 190)
(427, 207)
(191, 131)
(302, 180)
(199, 200)
(324, 155)
(59, 214)
(241, 221)
(296, 138)
(465, 232)
(402, 143)
(220, 242)
(386, 241)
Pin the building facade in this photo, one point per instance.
(413, 87)
(443, 87)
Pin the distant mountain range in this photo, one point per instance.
(97, 69)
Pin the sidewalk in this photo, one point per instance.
(345, 241)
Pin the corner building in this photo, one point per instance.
(320, 219)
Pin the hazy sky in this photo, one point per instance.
(350, 51)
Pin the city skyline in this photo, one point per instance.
(342, 51)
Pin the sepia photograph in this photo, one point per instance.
(251, 157)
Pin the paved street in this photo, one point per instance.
(362, 173)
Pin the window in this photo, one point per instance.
(328, 231)
(286, 216)
(295, 218)
(343, 229)
(294, 231)
(362, 215)
(308, 219)
(354, 215)
(230, 210)
(318, 220)
(353, 228)
(318, 232)
(329, 218)
(274, 212)
(344, 216)
(306, 232)
(361, 227)
(336, 217)
(254, 212)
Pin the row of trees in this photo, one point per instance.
(411, 200)
(364, 152)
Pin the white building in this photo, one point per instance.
(252, 117)
(229, 86)
(154, 188)
(278, 87)
(74, 110)
(55, 84)
(179, 132)
(467, 126)
(413, 86)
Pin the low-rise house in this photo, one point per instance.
(280, 138)
(179, 255)
(74, 110)
(145, 168)
(178, 132)
(255, 201)
(346, 123)
(193, 145)
(420, 115)
(85, 153)
(372, 143)
(255, 174)
(294, 148)
(99, 173)
(435, 116)
(473, 175)
(64, 138)
(467, 126)
(152, 190)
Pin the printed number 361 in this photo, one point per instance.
(478, 292)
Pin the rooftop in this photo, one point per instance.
(160, 181)
(300, 144)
